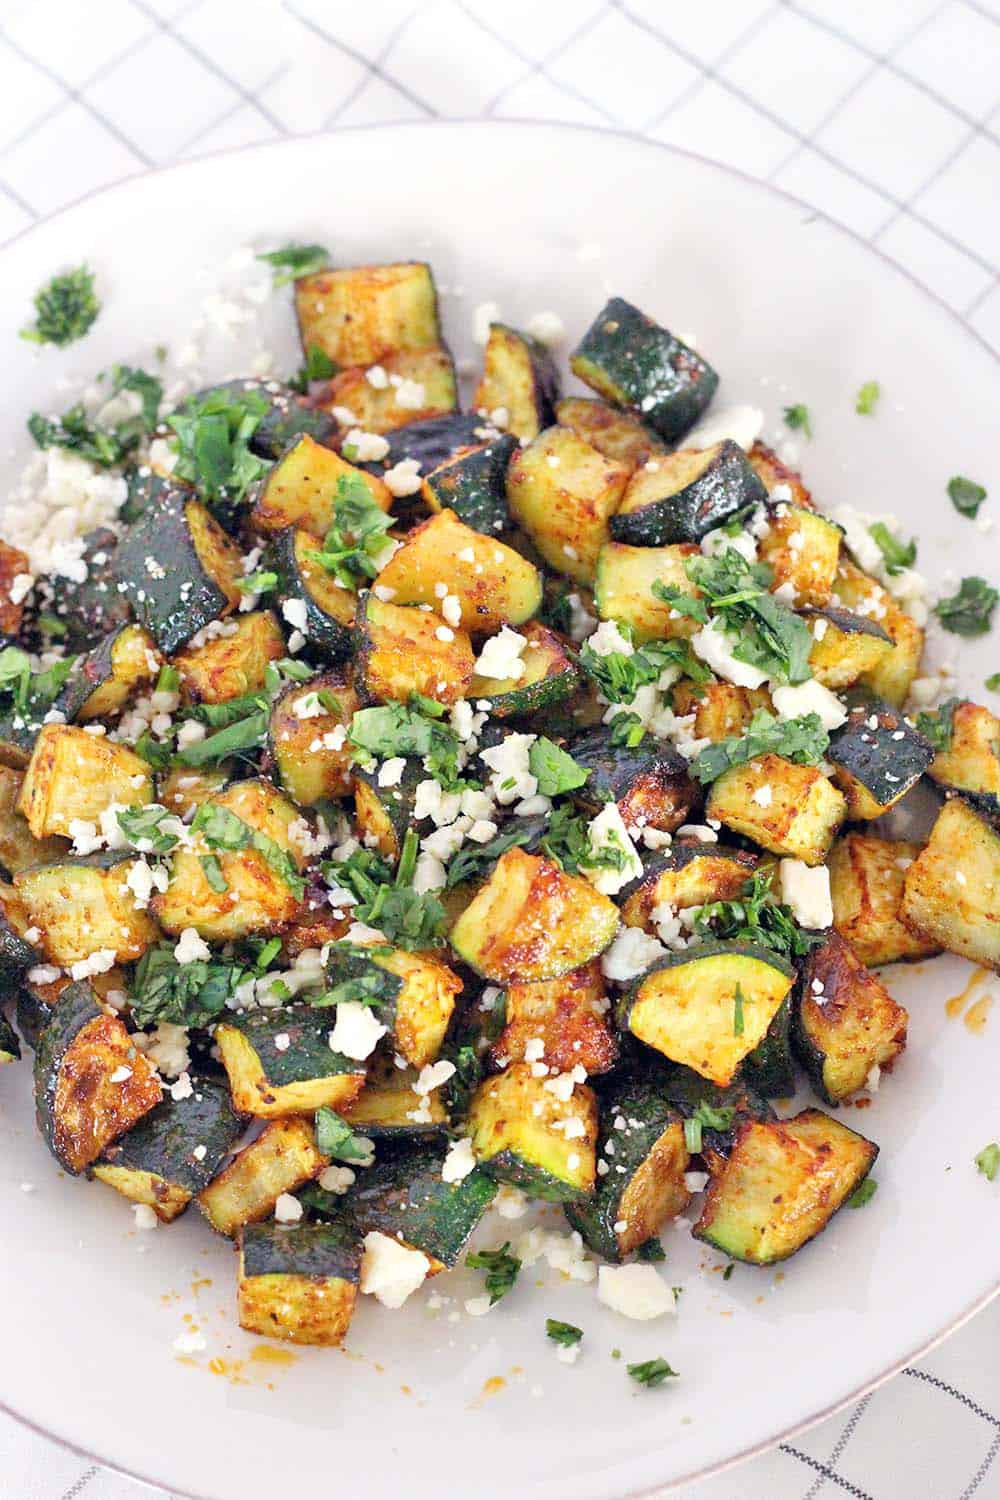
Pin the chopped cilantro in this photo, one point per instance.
(103, 445)
(970, 611)
(191, 994)
(705, 1117)
(937, 725)
(409, 918)
(317, 366)
(755, 917)
(868, 398)
(65, 309)
(993, 682)
(627, 731)
(391, 729)
(651, 1372)
(142, 827)
(336, 1139)
(222, 829)
(555, 770)
(898, 555)
(565, 1334)
(803, 741)
(863, 1194)
(292, 261)
(261, 582)
(475, 860)
(501, 1269)
(651, 1250)
(52, 625)
(966, 495)
(738, 1021)
(567, 841)
(355, 543)
(988, 1161)
(798, 418)
(728, 1271)
(213, 443)
(620, 676)
(212, 868)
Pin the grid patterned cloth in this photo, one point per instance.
(883, 114)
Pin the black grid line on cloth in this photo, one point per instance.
(839, 1446)
(229, 111)
(939, 171)
(375, 68)
(951, 1390)
(804, 141)
(826, 1473)
(983, 1470)
(81, 1484)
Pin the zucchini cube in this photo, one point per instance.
(709, 1006)
(568, 1015)
(405, 1197)
(891, 677)
(418, 995)
(649, 783)
(299, 1284)
(689, 873)
(519, 1134)
(178, 569)
(429, 377)
(846, 1022)
(845, 646)
(867, 877)
(784, 1181)
(682, 496)
(473, 484)
(951, 892)
(360, 314)
(402, 653)
(279, 1062)
(387, 1107)
(618, 434)
(74, 776)
(108, 675)
(802, 548)
(228, 666)
(82, 905)
(800, 818)
(623, 589)
(721, 709)
(631, 361)
(281, 1159)
(878, 757)
(549, 677)
(329, 607)
(564, 493)
(311, 753)
(18, 846)
(971, 762)
(519, 375)
(772, 473)
(302, 486)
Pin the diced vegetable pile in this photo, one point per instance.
(466, 801)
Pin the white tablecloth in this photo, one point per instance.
(884, 114)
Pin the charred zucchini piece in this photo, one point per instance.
(494, 584)
(564, 493)
(473, 484)
(33, 1012)
(890, 678)
(681, 496)
(707, 1007)
(310, 750)
(770, 1068)
(279, 1062)
(416, 994)
(388, 1109)
(618, 434)
(784, 1181)
(845, 646)
(519, 376)
(401, 653)
(650, 784)
(623, 589)
(519, 1135)
(970, 761)
(567, 1015)
(91, 1081)
(179, 570)
(951, 892)
(74, 776)
(258, 896)
(183, 789)
(803, 814)
(644, 1184)
(629, 359)
(105, 679)
(721, 709)
(10, 1047)
(174, 1151)
(281, 1159)
(877, 757)
(420, 384)
(532, 921)
(301, 489)
(435, 440)
(781, 482)
(329, 607)
(12, 563)
(846, 1022)
(288, 414)
(403, 1196)
(866, 884)
(82, 905)
(802, 548)
(16, 954)
(384, 813)
(360, 314)
(145, 490)
(549, 677)
(299, 1284)
(94, 607)
(18, 846)
(686, 874)
(232, 663)
(718, 1112)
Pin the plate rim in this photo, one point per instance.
(634, 139)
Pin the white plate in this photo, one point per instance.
(790, 309)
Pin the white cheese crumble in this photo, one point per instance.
(390, 1271)
(608, 831)
(145, 1218)
(287, 1209)
(806, 891)
(511, 777)
(294, 611)
(356, 1032)
(714, 648)
(636, 1291)
(336, 1179)
(459, 1162)
(190, 948)
(367, 447)
(563, 1252)
(501, 656)
(547, 327)
(483, 315)
(607, 640)
(810, 697)
(98, 962)
(390, 772)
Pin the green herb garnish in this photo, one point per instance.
(564, 1334)
(797, 417)
(191, 994)
(555, 770)
(755, 916)
(620, 676)
(705, 1117)
(863, 1194)
(212, 869)
(651, 1250)
(966, 495)
(988, 1161)
(392, 729)
(142, 826)
(213, 443)
(336, 1139)
(222, 829)
(937, 725)
(292, 261)
(898, 555)
(738, 1012)
(868, 398)
(627, 731)
(970, 611)
(474, 860)
(501, 1269)
(993, 682)
(355, 543)
(65, 309)
(803, 741)
(651, 1372)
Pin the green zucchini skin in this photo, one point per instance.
(300, 771)
(474, 485)
(75, 1010)
(326, 638)
(89, 673)
(164, 1141)
(170, 616)
(32, 1015)
(632, 361)
(846, 620)
(650, 781)
(16, 956)
(686, 1091)
(403, 1196)
(330, 1250)
(684, 853)
(770, 1068)
(308, 1054)
(432, 441)
(725, 487)
(506, 1166)
(288, 416)
(146, 491)
(10, 1047)
(648, 1115)
(881, 751)
(389, 806)
(561, 679)
(93, 608)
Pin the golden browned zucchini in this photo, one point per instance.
(623, 585)
(563, 492)
(866, 883)
(18, 846)
(229, 665)
(721, 709)
(971, 760)
(74, 776)
(82, 906)
(951, 892)
(689, 873)
(311, 751)
(846, 1022)
(802, 548)
(279, 1062)
(619, 435)
(420, 384)
(12, 563)
(281, 1159)
(520, 377)
(183, 789)
(360, 314)
(519, 1134)
(800, 819)
(567, 1015)
(891, 677)
(845, 646)
(119, 666)
(301, 488)
(299, 1284)
(773, 473)
(407, 650)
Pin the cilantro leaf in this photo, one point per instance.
(292, 261)
(803, 741)
(862, 1194)
(767, 634)
(898, 555)
(651, 1372)
(222, 829)
(988, 1161)
(501, 1269)
(473, 860)
(335, 1138)
(142, 827)
(937, 725)
(184, 994)
(620, 676)
(738, 1020)
(755, 917)
(627, 731)
(65, 309)
(567, 842)
(706, 1117)
(213, 450)
(993, 682)
(391, 729)
(965, 495)
(408, 918)
(355, 543)
(555, 770)
(970, 611)
(212, 867)
(868, 398)
(564, 1334)
(797, 417)
(317, 366)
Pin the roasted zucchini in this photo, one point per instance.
(403, 651)
(281, 1159)
(802, 549)
(681, 496)
(85, 905)
(720, 709)
(231, 664)
(419, 385)
(74, 776)
(519, 1135)
(650, 783)
(18, 846)
(800, 819)
(867, 875)
(494, 585)
(299, 1284)
(105, 679)
(568, 1016)
(845, 646)
(970, 760)
(360, 314)
(951, 892)
(877, 758)
(891, 677)
(473, 484)
(416, 994)
(301, 489)
(279, 1062)
(388, 1109)
(549, 677)
(329, 606)
(618, 434)
(520, 378)
(623, 586)
(689, 873)
(564, 493)
(311, 754)
(384, 813)
(846, 1022)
